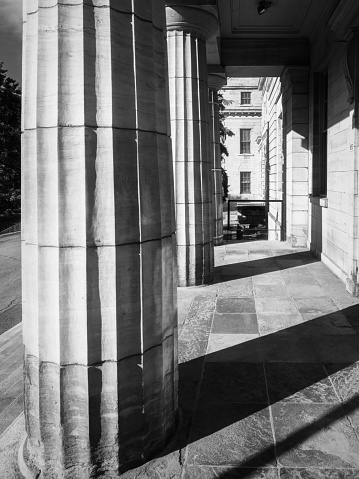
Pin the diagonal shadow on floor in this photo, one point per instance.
(226, 395)
(288, 399)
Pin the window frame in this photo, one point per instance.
(245, 182)
(244, 144)
(248, 96)
(320, 135)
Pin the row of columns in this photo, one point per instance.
(98, 239)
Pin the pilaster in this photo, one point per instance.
(295, 92)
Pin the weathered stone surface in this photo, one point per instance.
(100, 321)
(188, 29)
(314, 435)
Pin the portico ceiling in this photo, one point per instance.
(249, 44)
(285, 18)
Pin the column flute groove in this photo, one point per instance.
(98, 238)
(187, 31)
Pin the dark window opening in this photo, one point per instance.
(245, 182)
(245, 98)
(245, 139)
(320, 134)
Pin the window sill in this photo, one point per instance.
(321, 201)
(246, 154)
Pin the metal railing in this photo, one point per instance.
(253, 219)
(13, 227)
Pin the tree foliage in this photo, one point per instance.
(10, 145)
(223, 133)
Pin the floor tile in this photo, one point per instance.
(332, 323)
(231, 323)
(314, 435)
(234, 348)
(287, 347)
(215, 472)
(275, 305)
(232, 434)
(315, 305)
(268, 279)
(299, 383)
(236, 289)
(306, 291)
(269, 323)
(233, 383)
(336, 348)
(318, 473)
(270, 291)
(345, 379)
(235, 305)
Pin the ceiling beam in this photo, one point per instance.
(264, 51)
(190, 3)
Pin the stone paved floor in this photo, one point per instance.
(269, 373)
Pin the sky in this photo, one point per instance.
(10, 37)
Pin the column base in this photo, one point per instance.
(352, 287)
(218, 241)
(30, 469)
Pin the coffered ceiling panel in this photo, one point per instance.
(283, 17)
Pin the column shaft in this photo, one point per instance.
(99, 294)
(191, 146)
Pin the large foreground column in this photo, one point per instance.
(215, 83)
(188, 29)
(99, 312)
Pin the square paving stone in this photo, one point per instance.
(315, 305)
(234, 383)
(332, 323)
(345, 379)
(299, 277)
(270, 291)
(269, 323)
(286, 263)
(215, 472)
(314, 435)
(306, 291)
(336, 348)
(232, 435)
(241, 323)
(236, 289)
(271, 279)
(287, 347)
(263, 270)
(235, 305)
(234, 348)
(316, 473)
(239, 269)
(275, 305)
(299, 383)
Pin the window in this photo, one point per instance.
(245, 138)
(245, 98)
(245, 182)
(320, 134)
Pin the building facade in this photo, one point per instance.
(243, 117)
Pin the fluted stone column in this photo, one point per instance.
(99, 315)
(187, 30)
(215, 83)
